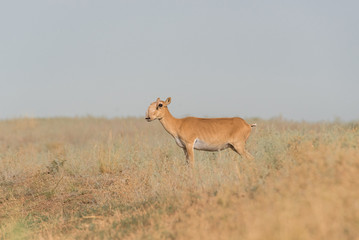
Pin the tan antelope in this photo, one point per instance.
(208, 134)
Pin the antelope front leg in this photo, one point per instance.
(189, 152)
(185, 153)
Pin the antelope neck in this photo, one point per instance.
(169, 123)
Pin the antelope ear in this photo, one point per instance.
(158, 101)
(168, 101)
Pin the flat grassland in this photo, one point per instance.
(96, 178)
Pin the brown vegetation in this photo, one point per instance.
(92, 178)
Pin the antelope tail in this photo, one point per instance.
(254, 125)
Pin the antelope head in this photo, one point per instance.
(157, 109)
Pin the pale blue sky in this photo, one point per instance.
(298, 59)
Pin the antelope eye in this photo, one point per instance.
(160, 105)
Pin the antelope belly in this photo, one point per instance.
(201, 145)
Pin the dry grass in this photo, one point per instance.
(91, 178)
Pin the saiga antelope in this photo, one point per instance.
(208, 134)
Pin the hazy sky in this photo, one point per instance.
(298, 59)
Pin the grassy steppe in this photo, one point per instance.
(93, 178)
